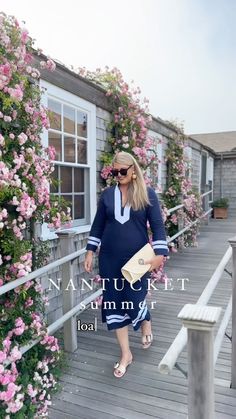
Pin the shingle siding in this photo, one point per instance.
(224, 181)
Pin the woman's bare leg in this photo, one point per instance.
(122, 336)
(147, 337)
(146, 327)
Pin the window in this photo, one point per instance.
(210, 175)
(188, 160)
(73, 135)
(203, 171)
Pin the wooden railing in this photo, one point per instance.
(70, 310)
(181, 229)
(68, 319)
(198, 322)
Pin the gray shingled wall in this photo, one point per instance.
(226, 177)
(195, 162)
(102, 119)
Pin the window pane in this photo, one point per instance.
(82, 151)
(69, 149)
(55, 141)
(81, 124)
(54, 114)
(79, 180)
(68, 198)
(203, 173)
(54, 176)
(66, 179)
(79, 207)
(69, 119)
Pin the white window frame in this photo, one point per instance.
(188, 154)
(210, 169)
(158, 148)
(58, 94)
(210, 174)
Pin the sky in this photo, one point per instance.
(181, 53)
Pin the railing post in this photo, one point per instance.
(206, 203)
(180, 216)
(37, 230)
(232, 242)
(199, 321)
(68, 292)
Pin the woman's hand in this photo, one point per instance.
(88, 263)
(155, 262)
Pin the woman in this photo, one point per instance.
(120, 225)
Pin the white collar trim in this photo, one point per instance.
(117, 210)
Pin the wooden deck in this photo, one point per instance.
(89, 388)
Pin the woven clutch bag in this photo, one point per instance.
(135, 268)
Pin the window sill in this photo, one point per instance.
(52, 235)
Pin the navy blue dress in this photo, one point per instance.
(122, 232)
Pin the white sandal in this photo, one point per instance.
(121, 369)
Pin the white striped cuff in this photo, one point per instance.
(94, 241)
(159, 242)
(160, 246)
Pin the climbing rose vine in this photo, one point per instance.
(128, 132)
(128, 127)
(26, 381)
(180, 190)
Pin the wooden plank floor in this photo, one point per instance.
(89, 389)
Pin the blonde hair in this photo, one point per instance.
(137, 196)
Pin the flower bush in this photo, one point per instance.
(180, 190)
(128, 126)
(26, 381)
(129, 132)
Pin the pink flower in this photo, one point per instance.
(15, 354)
(7, 118)
(7, 343)
(106, 171)
(97, 279)
(24, 36)
(29, 302)
(27, 206)
(15, 406)
(3, 356)
(31, 391)
(49, 65)
(19, 331)
(2, 140)
(22, 138)
(16, 93)
(10, 393)
(19, 322)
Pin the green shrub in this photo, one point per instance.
(220, 203)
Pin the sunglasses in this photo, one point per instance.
(123, 171)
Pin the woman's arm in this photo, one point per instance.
(159, 242)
